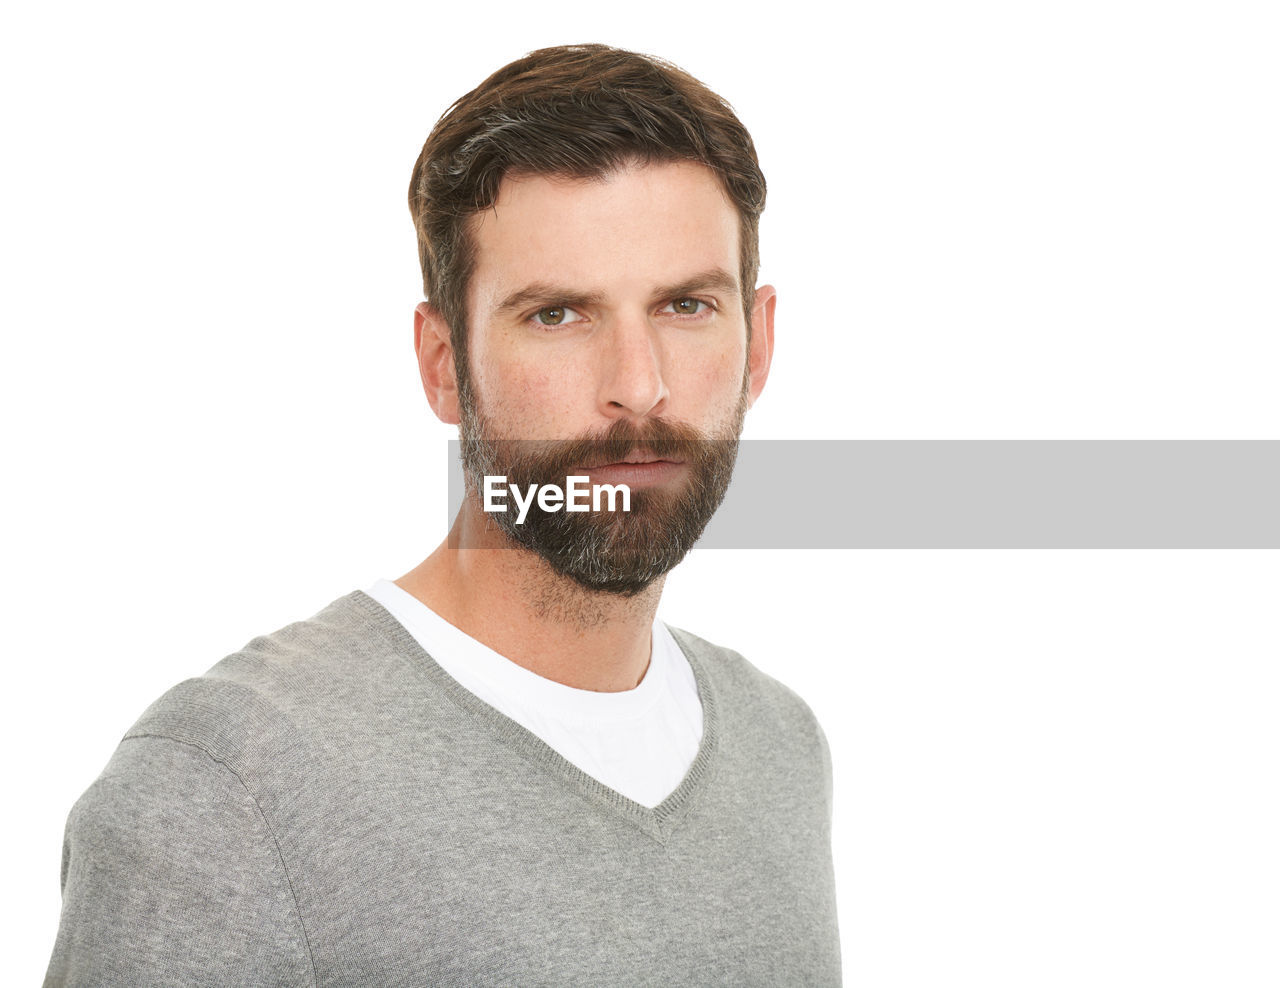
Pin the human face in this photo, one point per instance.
(606, 326)
(606, 299)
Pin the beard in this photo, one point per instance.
(613, 552)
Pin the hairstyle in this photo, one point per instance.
(574, 110)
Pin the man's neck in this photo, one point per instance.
(512, 601)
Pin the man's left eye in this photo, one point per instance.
(686, 306)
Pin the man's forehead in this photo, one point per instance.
(663, 178)
(657, 224)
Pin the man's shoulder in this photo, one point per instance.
(748, 692)
(334, 664)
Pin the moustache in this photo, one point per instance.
(656, 439)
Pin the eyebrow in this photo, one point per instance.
(713, 280)
(546, 292)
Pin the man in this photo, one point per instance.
(501, 769)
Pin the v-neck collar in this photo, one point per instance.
(660, 821)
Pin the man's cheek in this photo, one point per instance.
(541, 404)
(555, 390)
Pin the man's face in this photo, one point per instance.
(606, 327)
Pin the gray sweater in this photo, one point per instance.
(329, 807)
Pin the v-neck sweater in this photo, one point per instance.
(328, 806)
(640, 741)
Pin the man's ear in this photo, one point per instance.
(760, 352)
(433, 342)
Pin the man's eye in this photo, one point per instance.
(687, 306)
(556, 315)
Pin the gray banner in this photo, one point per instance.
(993, 494)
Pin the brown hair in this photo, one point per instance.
(577, 110)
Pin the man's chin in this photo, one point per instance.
(622, 586)
(618, 555)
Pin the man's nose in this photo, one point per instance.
(631, 382)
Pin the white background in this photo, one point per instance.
(986, 220)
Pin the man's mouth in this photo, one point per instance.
(639, 468)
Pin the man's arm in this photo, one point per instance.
(170, 875)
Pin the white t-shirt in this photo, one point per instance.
(639, 742)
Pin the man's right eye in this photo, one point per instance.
(556, 315)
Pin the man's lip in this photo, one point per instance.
(632, 461)
(648, 472)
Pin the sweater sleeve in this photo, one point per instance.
(171, 876)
